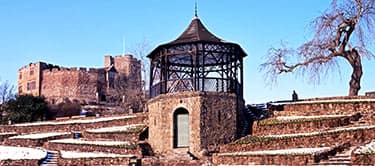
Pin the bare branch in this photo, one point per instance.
(345, 30)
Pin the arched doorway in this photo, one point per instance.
(181, 133)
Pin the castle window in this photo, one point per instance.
(31, 72)
(31, 85)
(20, 89)
(20, 76)
(111, 79)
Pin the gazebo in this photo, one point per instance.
(197, 61)
(196, 90)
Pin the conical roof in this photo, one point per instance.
(196, 32)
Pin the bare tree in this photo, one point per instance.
(345, 30)
(129, 92)
(6, 92)
(140, 51)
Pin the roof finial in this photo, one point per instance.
(196, 9)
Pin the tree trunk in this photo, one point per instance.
(355, 81)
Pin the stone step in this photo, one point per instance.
(335, 163)
(339, 159)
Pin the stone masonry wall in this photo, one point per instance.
(363, 159)
(205, 110)
(218, 120)
(75, 84)
(132, 149)
(302, 127)
(264, 160)
(161, 111)
(33, 142)
(333, 105)
(28, 75)
(356, 137)
(86, 85)
(141, 118)
(94, 161)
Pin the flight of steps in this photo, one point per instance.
(51, 159)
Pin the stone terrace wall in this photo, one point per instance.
(132, 137)
(33, 142)
(334, 105)
(141, 118)
(301, 127)
(264, 160)
(4, 136)
(19, 162)
(93, 148)
(94, 161)
(363, 159)
(356, 137)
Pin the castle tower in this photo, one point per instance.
(30, 78)
(196, 90)
(126, 68)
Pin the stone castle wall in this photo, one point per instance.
(85, 85)
(76, 84)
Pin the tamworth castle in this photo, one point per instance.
(86, 85)
(195, 114)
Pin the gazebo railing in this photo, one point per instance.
(204, 85)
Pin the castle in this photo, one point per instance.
(195, 115)
(86, 85)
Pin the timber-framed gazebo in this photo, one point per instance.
(197, 61)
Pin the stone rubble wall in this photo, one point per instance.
(73, 83)
(141, 118)
(212, 119)
(94, 148)
(264, 160)
(5, 136)
(33, 142)
(301, 127)
(362, 159)
(86, 85)
(356, 137)
(131, 137)
(321, 106)
(94, 161)
(19, 162)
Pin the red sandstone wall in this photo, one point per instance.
(94, 161)
(363, 159)
(141, 118)
(72, 83)
(28, 74)
(336, 107)
(303, 127)
(357, 137)
(57, 83)
(206, 129)
(264, 160)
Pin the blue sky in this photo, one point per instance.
(80, 32)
